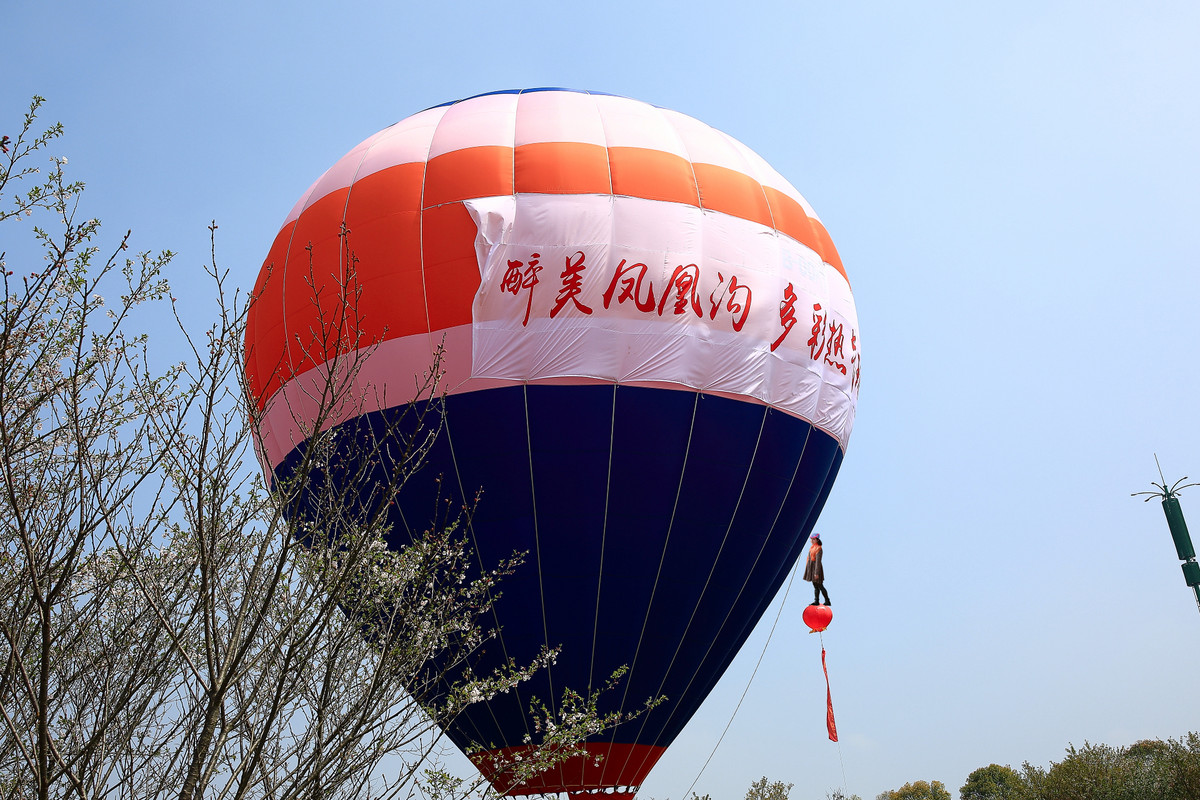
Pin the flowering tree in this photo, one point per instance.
(762, 789)
(1150, 768)
(993, 782)
(169, 626)
(917, 790)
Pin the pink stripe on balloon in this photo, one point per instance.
(558, 117)
(406, 142)
(480, 122)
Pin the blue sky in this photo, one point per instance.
(1012, 188)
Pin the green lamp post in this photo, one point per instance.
(1178, 527)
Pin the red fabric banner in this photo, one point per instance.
(829, 722)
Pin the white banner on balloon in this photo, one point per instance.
(689, 297)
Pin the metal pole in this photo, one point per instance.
(1178, 527)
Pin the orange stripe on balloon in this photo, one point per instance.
(597, 764)
(394, 188)
(471, 172)
(562, 168)
(791, 220)
(313, 285)
(825, 248)
(652, 175)
(789, 217)
(580, 168)
(383, 218)
(732, 192)
(451, 270)
(265, 353)
(391, 292)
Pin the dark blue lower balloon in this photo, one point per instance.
(659, 525)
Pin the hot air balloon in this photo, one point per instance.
(652, 362)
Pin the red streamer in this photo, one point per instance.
(829, 722)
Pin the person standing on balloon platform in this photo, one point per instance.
(815, 572)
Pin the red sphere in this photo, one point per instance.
(818, 617)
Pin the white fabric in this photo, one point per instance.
(522, 336)
(558, 117)
(489, 120)
(406, 142)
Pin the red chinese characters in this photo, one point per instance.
(739, 300)
(572, 285)
(828, 339)
(680, 295)
(787, 315)
(515, 279)
(630, 277)
(682, 287)
(855, 361)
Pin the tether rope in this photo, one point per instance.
(746, 691)
(841, 761)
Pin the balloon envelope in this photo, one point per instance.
(651, 363)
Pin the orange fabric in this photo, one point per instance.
(790, 219)
(264, 321)
(309, 340)
(384, 219)
(471, 172)
(451, 267)
(653, 175)
(619, 765)
(562, 168)
(828, 252)
(733, 193)
(396, 188)
(391, 301)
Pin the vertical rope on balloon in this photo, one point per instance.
(746, 583)
(612, 428)
(479, 737)
(700, 598)
(537, 549)
(687, 452)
